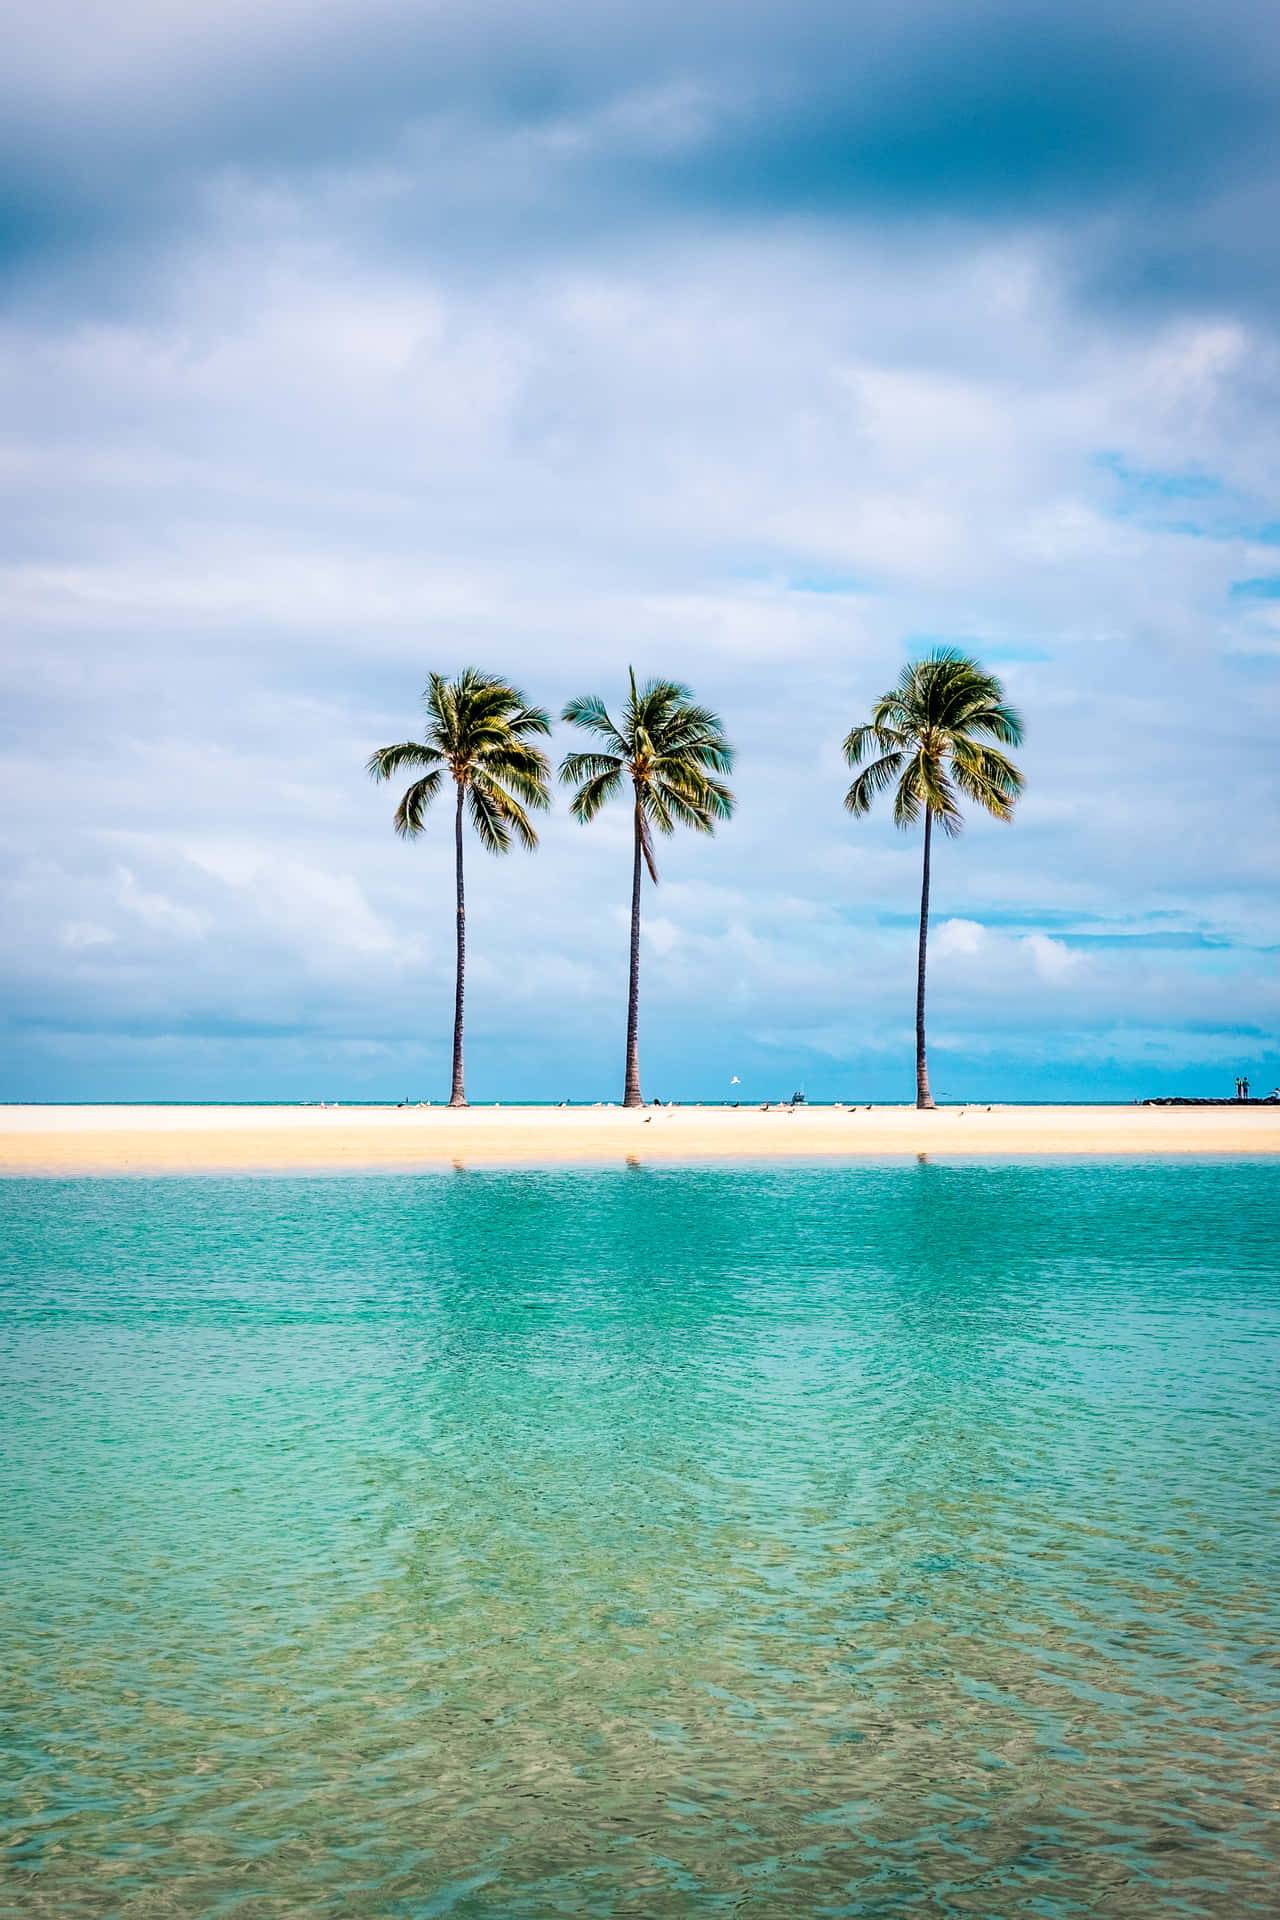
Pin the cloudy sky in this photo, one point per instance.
(755, 345)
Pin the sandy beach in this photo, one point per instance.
(105, 1140)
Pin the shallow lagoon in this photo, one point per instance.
(878, 1540)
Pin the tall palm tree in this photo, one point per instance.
(478, 732)
(671, 750)
(929, 734)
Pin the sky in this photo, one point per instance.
(756, 346)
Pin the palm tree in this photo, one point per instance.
(672, 751)
(929, 734)
(478, 731)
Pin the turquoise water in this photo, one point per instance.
(863, 1541)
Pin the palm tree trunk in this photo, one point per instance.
(923, 1096)
(458, 1097)
(631, 1096)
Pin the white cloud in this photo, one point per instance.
(661, 934)
(959, 937)
(77, 934)
(315, 910)
(1052, 960)
(158, 912)
(248, 511)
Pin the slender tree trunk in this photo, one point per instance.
(458, 1097)
(923, 1096)
(631, 1096)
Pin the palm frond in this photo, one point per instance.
(690, 730)
(530, 720)
(440, 703)
(938, 794)
(873, 779)
(576, 767)
(525, 770)
(410, 814)
(860, 741)
(646, 846)
(708, 751)
(908, 799)
(892, 716)
(488, 816)
(689, 813)
(693, 796)
(594, 792)
(655, 806)
(407, 753)
(986, 777)
(590, 713)
(656, 698)
(993, 718)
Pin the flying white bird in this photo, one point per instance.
(735, 1082)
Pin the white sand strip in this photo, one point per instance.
(57, 1140)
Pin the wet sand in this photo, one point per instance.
(106, 1140)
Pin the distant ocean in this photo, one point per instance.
(778, 1099)
(867, 1540)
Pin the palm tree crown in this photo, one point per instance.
(479, 732)
(673, 752)
(930, 736)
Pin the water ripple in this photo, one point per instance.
(760, 1543)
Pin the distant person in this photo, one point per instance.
(1244, 1088)
(1239, 1095)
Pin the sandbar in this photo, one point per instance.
(54, 1140)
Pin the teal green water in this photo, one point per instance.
(862, 1541)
